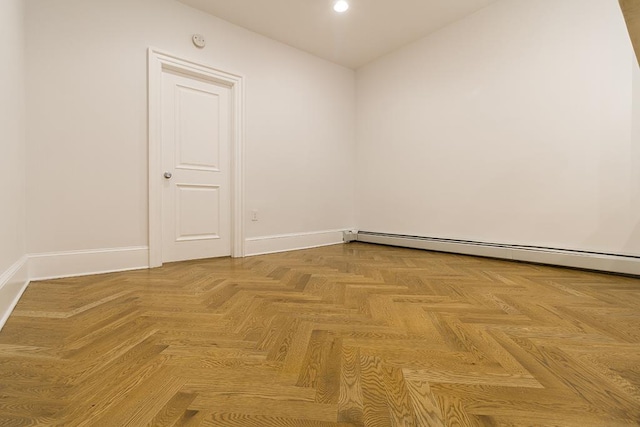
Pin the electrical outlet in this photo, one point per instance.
(254, 215)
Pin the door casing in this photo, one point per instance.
(159, 62)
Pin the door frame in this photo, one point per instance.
(159, 62)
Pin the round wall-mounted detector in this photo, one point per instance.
(198, 40)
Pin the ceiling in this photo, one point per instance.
(368, 30)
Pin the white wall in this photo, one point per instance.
(87, 110)
(12, 139)
(514, 125)
(13, 265)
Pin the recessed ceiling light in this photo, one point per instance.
(341, 6)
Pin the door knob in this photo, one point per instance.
(168, 175)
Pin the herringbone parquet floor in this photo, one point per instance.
(348, 335)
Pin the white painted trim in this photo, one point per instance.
(13, 283)
(55, 265)
(559, 257)
(292, 242)
(157, 63)
(608, 263)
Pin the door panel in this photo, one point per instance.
(196, 207)
(198, 134)
(197, 212)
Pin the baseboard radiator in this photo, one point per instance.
(613, 263)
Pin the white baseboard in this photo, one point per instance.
(13, 283)
(608, 263)
(291, 242)
(565, 258)
(56, 265)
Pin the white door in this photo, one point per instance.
(196, 204)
